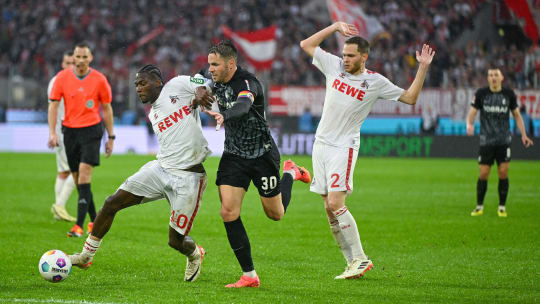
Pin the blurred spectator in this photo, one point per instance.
(33, 33)
(305, 122)
(429, 120)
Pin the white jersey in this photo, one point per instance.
(177, 126)
(348, 100)
(60, 116)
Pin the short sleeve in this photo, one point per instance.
(56, 88)
(513, 100)
(105, 93)
(477, 101)
(388, 90)
(189, 84)
(326, 62)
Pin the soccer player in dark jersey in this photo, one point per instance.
(495, 104)
(250, 154)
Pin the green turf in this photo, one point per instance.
(413, 217)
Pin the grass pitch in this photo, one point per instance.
(413, 217)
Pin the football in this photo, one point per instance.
(54, 266)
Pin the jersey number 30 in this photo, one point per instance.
(268, 182)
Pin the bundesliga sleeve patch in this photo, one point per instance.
(196, 80)
(247, 94)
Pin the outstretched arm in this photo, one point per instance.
(424, 60)
(310, 44)
(527, 142)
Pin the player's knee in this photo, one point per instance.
(110, 206)
(228, 214)
(333, 206)
(173, 244)
(274, 215)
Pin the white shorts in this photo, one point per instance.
(333, 168)
(183, 190)
(61, 158)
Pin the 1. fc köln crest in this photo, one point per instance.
(365, 84)
(174, 99)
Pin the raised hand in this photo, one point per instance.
(426, 56)
(346, 29)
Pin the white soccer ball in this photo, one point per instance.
(54, 266)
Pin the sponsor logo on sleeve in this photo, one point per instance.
(196, 80)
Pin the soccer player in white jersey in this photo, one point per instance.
(64, 184)
(177, 175)
(351, 92)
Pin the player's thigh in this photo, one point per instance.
(122, 199)
(264, 171)
(232, 171)
(184, 193)
(318, 184)
(486, 155)
(502, 170)
(231, 201)
(91, 144)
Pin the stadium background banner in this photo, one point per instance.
(136, 139)
(407, 146)
(454, 103)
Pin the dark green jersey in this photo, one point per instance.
(495, 108)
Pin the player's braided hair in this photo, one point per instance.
(225, 48)
(152, 70)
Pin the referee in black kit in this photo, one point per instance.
(494, 103)
(250, 154)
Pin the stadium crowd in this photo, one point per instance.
(34, 33)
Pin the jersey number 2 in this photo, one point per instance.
(334, 183)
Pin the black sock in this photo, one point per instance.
(503, 191)
(286, 188)
(92, 207)
(238, 239)
(481, 188)
(85, 196)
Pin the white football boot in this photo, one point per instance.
(193, 267)
(356, 269)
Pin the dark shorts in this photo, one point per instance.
(82, 145)
(263, 171)
(488, 154)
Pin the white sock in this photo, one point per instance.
(58, 185)
(65, 193)
(348, 227)
(291, 172)
(90, 247)
(340, 239)
(251, 274)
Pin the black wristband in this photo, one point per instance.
(113, 137)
